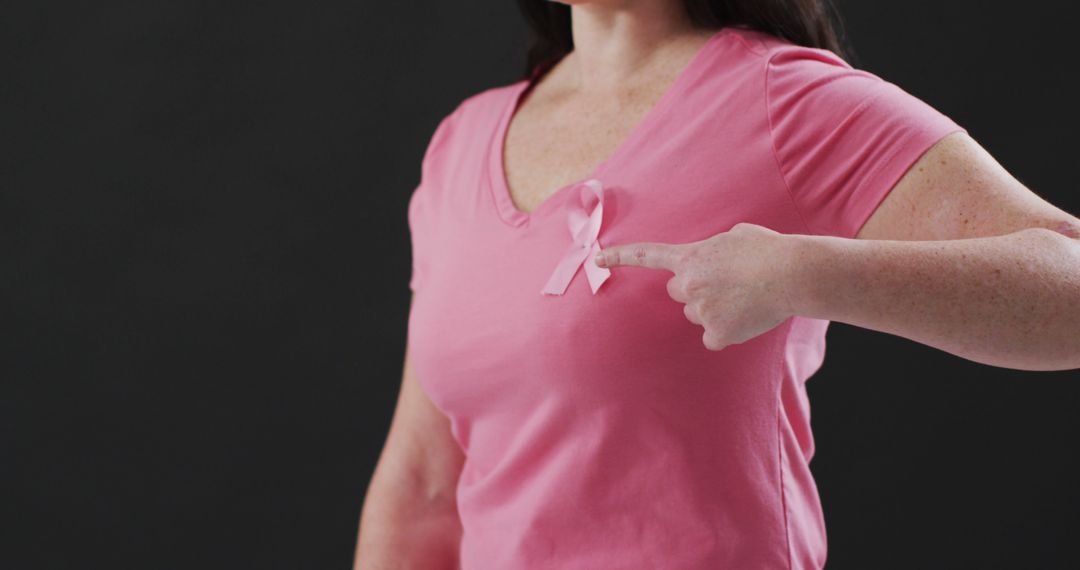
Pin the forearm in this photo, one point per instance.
(1011, 301)
(407, 531)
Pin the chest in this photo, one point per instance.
(554, 140)
(482, 326)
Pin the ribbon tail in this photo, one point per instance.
(565, 270)
(596, 274)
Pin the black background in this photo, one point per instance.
(205, 255)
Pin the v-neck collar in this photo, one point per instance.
(496, 173)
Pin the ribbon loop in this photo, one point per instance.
(584, 221)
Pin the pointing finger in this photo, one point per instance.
(645, 254)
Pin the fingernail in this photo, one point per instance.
(600, 259)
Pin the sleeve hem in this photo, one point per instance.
(888, 173)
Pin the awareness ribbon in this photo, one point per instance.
(584, 224)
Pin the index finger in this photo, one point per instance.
(645, 254)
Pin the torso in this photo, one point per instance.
(572, 408)
(559, 135)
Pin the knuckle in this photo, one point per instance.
(712, 341)
(743, 227)
(692, 284)
(691, 316)
(706, 308)
(685, 255)
(676, 289)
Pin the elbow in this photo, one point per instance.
(1060, 249)
(1061, 254)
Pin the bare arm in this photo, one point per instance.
(959, 256)
(996, 281)
(410, 519)
(1011, 300)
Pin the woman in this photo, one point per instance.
(624, 266)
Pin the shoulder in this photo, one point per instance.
(812, 83)
(480, 106)
(787, 65)
(472, 116)
(769, 49)
(760, 66)
(489, 99)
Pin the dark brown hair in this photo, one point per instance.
(810, 23)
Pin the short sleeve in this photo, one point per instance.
(420, 207)
(843, 137)
(416, 238)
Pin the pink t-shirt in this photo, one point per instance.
(599, 432)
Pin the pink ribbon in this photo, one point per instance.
(584, 221)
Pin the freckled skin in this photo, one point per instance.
(958, 190)
(561, 131)
(959, 256)
(1009, 301)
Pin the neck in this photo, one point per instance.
(612, 44)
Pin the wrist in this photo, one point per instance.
(809, 262)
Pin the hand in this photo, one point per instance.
(734, 283)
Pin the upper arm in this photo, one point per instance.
(958, 190)
(420, 453)
(842, 136)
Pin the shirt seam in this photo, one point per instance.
(775, 154)
(751, 48)
(780, 441)
(863, 104)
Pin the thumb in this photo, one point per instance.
(645, 254)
